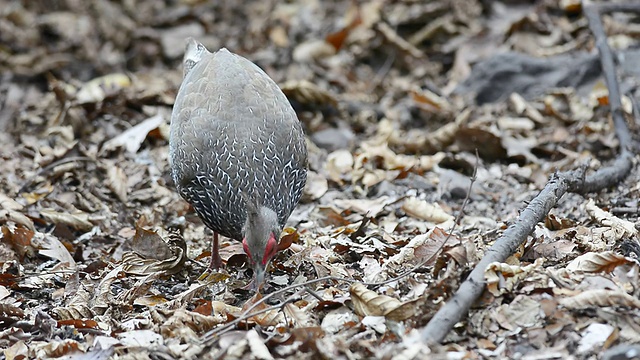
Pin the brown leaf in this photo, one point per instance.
(198, 323)
(368, 207)
(50, 246)
(291, 236)
(553, 222)
(78, 220)
(151, 253)
(79, 323)
(598, 262)
(117, 181)
(11, 311)
(370, 303)
(99, 88)
(489, 145)
(306, 92)
(600, 298)
(19, 238)
(502, 278)
(430, 100)
(268, 318)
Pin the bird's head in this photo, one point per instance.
(261, 235)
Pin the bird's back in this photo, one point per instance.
(233, 132)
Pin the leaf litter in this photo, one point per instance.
(100, 257)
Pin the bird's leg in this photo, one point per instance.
(216, 260)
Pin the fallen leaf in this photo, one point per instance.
(502, 278)
(99, 88)
(370, 303)
(368, 207)
(421, 209)
(117, 181)
(600, 298)
(78, 220)
(592, 262)
(132, 138)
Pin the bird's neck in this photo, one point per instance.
(260, 220)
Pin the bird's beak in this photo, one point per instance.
(258, 275)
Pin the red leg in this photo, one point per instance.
(216, 260)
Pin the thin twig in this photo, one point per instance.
(247, 314)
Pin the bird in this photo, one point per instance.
(237, 152)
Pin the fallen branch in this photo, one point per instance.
(559, 184)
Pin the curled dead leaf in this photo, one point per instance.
(600, 298)
(598, 262)
(17, 217)
(79, 323)
(19, 238)
(370, 303)
(153, 254)
(288, 237)
(193, 322)
(100, 88)
(620, 228)
(313, 50)
(421, 209)
(316, 186)
(51, 246)
(502, 278)
(430, 100)
(306, 92)
(338, 164)
(78, 220)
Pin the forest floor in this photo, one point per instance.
(402, 103)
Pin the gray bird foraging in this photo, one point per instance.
(237, 152)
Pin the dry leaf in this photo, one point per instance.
(117, 181)
(152, 254)
(600, 298)
(338, 164)
(306, 92)
(183, 319)
(421, 209)
(78, 220)
(430, 100)
(51, 247)
(502, 278)
(370, 303)
(598, 262)
(55, 348)
(620, 228)
(19, 238)
(132, 138)
(17, 217)
(98, 89)
(368, 207)
(316, 186)
(313, 50)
